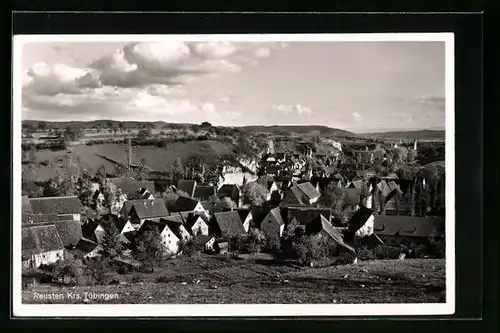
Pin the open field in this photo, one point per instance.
(95, 156)
(217, 280)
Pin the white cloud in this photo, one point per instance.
(262, 52)
(357, 117)
(293, 109)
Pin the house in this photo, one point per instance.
(168, 238)
(203, 192)
(185, 204)
(361, 223)
(93, 231)
(231, 191)
(85, 249)
(396, 230)
(388, 189)
(187, 186)
(41, 245)
(226, 223)
(304, 215)
(204, 243)
(130, 186)
(57, 205)
(320, 228)
(222, 247)
(143, 210)
(301, 194)
(273, 224)
(351, 198)
(195, 224)
(178, 229)
(246, 217)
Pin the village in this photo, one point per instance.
(289, 204)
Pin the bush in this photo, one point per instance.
(137, 278)
(364, 253)
(437, 247)
(188, 248)
(99, 271)
(346, 258)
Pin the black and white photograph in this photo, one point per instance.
(242, 175)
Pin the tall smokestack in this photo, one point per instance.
(129, 155)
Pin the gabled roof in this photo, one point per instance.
(86, 245)
(321, 224)
(203, 192)
(202, 239)
(148, 224)
(88, 230)
(40, 239)
(275, 215)
(191, 219)
(259, 214)
(229, 222)
(174, 217)
(409, 226)
(229, 190)
(359, 219)
(130, 185)
(187, 185)
(184, 204)
(69, 231)
(305, 215)
(56, 205)
(243, 213)
(150, 209)
(26, 206)
(309, 191)
(175, 227)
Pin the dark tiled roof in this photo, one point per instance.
(184, 204)
(203, 192)
(127, 205)
(208, 206)
(243, 213)
(202, 239)
(69, 231)
(191, 219)
(85, 246)
(174, 217)
(149, 224)
(359, 219)
(186, 185)
(229, 190)
(321, 224)
(175, 227)
(88, 230)
(130, 185)
(304, 215)
(150, 209)
(26, 206)
(40, 239)
(259, 214)
(409, 226)
(229, 222)
(56, 205)
(35, 218)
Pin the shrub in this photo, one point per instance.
(437, 247)
(188, 248)
(346, 258)
(364, 253)
(98, 270)
(137, 278)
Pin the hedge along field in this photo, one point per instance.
(95, 156)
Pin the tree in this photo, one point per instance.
(111, 244)
(223, 204)
(100, 175)
(254, 193)
(121, 127)
(378, 154)
(169, 198)
(149, 247)
(59, 186)
(144, 133)
(178, 171)
(72, 269)
(206, 125)
(109, 190)
(98, 269)
(42, 126)
(84, 189)
(73, 133)
(411, 155)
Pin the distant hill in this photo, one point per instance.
(408, 135)
(302, 129)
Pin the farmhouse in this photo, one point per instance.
(300, 195)
(69, 231)
(142, 210)
(195, 224)
(204, 243)
(185, 204)
(85, 249)
(231, 191)
(226, 223)
(273, 224)
(41, 245)
(178, 229)
(130, 186)
(57, 205)
(396, 230)
(168, 238)
(320, 228)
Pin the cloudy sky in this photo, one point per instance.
(358, 86)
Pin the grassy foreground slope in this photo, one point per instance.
(213, 280)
